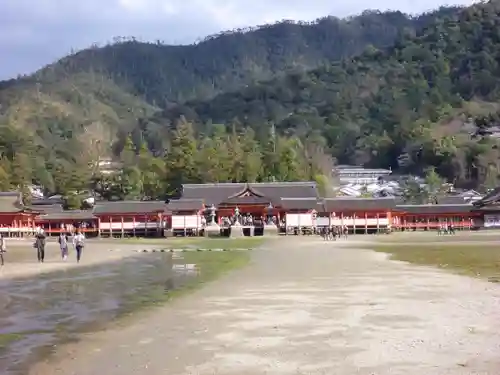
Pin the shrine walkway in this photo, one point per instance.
(305, 306)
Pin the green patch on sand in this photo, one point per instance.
(8, 338)
(465, 237)
(220, 243)
(210, 265)
(481, 260)
(200, 242)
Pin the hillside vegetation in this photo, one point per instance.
(61, 119)
(161, 73)
(276, 103)
(409, 106)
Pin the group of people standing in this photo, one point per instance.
(78, 240)
(333, 232)
(446, 229)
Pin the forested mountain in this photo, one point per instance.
(408, 106)
(278, 102)
(161, 73)
(58, 121)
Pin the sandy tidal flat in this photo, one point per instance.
(304, 306)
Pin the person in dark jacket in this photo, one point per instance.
(79, 243)
(3, 248)
(40, 245)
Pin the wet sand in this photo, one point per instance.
(305, 306)
(42, 311)
(21, 259)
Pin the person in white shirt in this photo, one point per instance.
(79, 243)
(63, 245)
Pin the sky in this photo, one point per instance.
(34, 33)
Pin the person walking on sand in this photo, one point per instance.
(3, 248)
(79, 243)
(63, 245)
(40, 245)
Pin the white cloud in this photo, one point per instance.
(34, 33)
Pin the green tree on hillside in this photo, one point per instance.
(435, 185)
(252, 157)
(413, 193)
(180, 161)
(152, 171)
(21, 171)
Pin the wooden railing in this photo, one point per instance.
(29, 230)
(61, 230)
(433, 225)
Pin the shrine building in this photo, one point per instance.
(289, 207)
(15, 217)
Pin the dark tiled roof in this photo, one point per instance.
(490, 198)
(218, 192)
(301, 204)
(9, 194)
(435, 208)
(185, 205)
(277, 190)
(246, 200)
(46, 201)
(453, 199)
(358, 204)
(46, 209)
(132, 207)
(487, 208)
(67, 215)
(11, 201)
(211, 193)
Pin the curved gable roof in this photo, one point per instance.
(217, 193)
(251, 190)
(211, 193)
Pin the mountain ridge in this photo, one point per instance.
(144, 77)
(363, 102)
(388, 104)
(301, 45)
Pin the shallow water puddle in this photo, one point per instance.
(38, 312)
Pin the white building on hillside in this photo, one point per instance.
(108, 166)
(351, 174)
